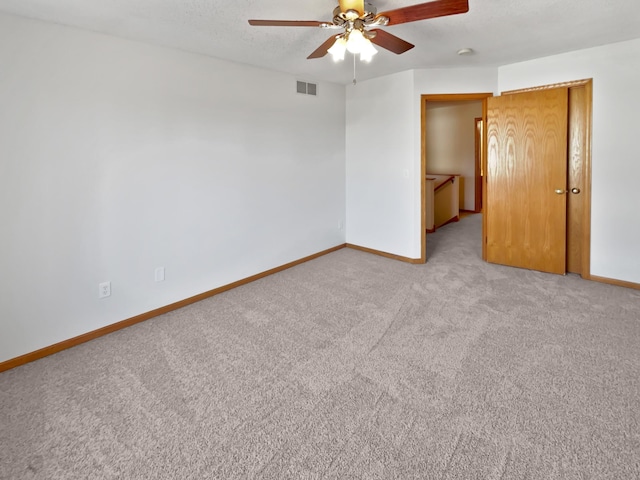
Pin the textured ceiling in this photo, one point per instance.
(499, 31)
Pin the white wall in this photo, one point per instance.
(451, 144)
(615, 221)
(381, 171)
(455, 80)
(117, 157)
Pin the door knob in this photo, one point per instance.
(575, 190)
(560, 192)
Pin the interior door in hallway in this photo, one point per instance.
(526, 178)
(577, 178)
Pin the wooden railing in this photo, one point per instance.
(440, 185)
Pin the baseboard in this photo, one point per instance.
(451, 220)
(385, 254)
(85, 337)
(613, 281)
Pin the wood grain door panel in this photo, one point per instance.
(526, 164)
(576, 176)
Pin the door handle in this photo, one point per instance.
(574, 190)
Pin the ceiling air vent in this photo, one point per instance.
(306, 88)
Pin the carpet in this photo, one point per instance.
(348, 366)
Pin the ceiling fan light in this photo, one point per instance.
(356, 41)
(338, 49)
(365, 58)
(368, 51)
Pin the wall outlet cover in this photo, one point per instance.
(104, 289)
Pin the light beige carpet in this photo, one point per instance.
(349, 366)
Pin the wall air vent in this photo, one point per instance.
(306, 88)
(311, 88)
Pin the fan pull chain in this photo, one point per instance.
(354, 70)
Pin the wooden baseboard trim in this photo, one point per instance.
(451, 220)
(85, 337)
(613, 281)
(385, 254)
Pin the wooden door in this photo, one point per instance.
(526, 178)
(576, 184)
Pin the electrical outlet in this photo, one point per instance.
(104, 289)
(159, 275)
(340, 225)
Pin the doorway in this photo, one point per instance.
(446, 100)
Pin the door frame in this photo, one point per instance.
(448, 97)
(479, 146)
(585, 250)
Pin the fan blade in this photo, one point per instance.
(423, 11)
(321, 51)
(286, 23)
(357, 5)
(390, 42)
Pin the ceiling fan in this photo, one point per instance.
(360, 20)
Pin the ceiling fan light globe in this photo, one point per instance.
(367, 52)
(356, 41)
(365, 58)
(337, 57)
(338, 49)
